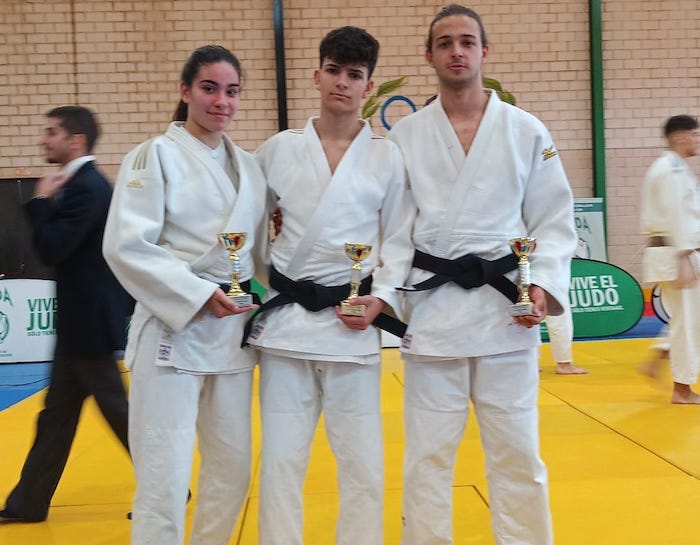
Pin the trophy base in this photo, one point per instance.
(521, 309)
(242, 300)
(348, 309)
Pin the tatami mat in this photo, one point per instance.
(624, 465)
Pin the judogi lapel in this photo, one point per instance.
(239, 217)
(463, 168)
(337, 184)
(177, 133)
(241, 200)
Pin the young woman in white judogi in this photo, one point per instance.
(175, 193)
(482, 172)
(336, 183)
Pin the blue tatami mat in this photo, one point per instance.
(20, 380)
(648, 327)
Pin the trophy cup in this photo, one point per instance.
(523, 247)
(356, 252)
(234, 242)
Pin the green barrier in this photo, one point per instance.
(605, 299)
(257, 287)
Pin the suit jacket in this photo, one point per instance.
(68, 230)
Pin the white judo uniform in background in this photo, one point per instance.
(311, 362)
(189, 376)
(670, 208)
(561, 335)
(462, 345)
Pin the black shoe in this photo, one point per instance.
(189, 497)
(8, 516)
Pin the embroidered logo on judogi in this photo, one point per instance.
(548, 153)
(406, 341)
(135, 184)
(141, 157)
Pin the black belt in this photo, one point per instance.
(468, 271)
(316, 297)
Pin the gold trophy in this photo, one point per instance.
(523, 247)
(356, 252)
(234, 242)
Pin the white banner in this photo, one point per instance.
(590, 226)
(27, 320)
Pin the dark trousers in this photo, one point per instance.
(73, 379)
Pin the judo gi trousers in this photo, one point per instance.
(167, 409)
(684, 341)
(561, 335)
(503, 389)
(293, 392)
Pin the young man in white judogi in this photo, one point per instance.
(189, 379)
(670, 216)
(336, 183)
(482, 172)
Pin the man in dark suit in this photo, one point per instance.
(67, 214)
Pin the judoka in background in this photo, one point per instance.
(670, 217)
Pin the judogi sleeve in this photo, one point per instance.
(396, 220)
(682, 213)
(153, 274)
(548, 215)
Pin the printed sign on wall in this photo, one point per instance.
(605, 300)
(27, 320)
(590, 228)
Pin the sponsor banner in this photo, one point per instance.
(27, 320)
(605, 300)
(590, 227)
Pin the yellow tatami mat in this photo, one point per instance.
(624, 465)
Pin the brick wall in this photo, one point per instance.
(122, 58)
(652, 71)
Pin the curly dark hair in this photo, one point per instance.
(350, 45)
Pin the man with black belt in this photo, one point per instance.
(67, 214)
(482, 173)
(337, 183)
(670, 216)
